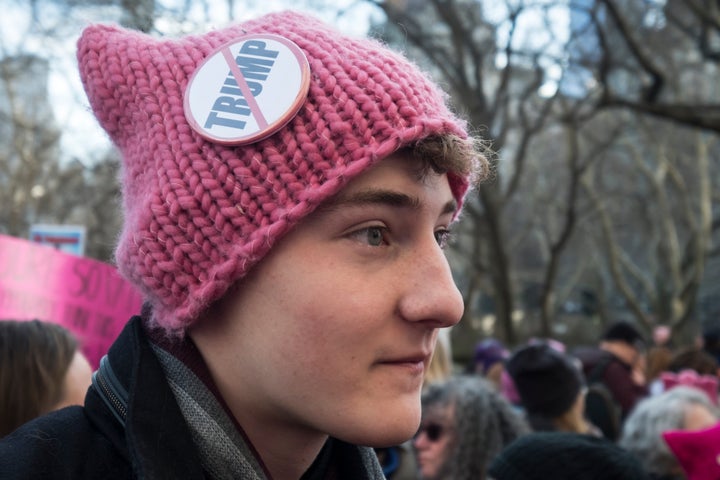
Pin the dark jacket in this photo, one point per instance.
(147, 438)
(615, 374)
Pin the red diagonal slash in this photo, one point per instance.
(245, 89)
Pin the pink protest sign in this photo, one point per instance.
(87, 296)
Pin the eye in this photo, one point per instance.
(443, 237)
(372, 236)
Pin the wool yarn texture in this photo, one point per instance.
(198, 214)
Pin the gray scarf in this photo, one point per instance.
(223, 451)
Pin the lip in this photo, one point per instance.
(415, 363)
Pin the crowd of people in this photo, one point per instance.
(288, 192)
(525, 412)
(526, 415)
(511, 415)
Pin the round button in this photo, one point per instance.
(247, 89)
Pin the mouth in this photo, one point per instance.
(414, 363)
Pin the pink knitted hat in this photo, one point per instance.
(697, 451)
(708, 384)
(200, 213)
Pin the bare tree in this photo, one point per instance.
(634, 69)
(660, 270)
(29, 150)
(621, 57)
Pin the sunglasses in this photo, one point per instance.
(433, 431)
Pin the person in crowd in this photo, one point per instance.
(551, 388)
(706, 383)
(507, 384)
(41, 369)
(680, 408)
(465, 423)
(565, 456)
(710, 343)
(509, 390)
(288, 191)
(658, 361)
(658, 357)
(687, 361)
(488, 360)
(618, 364)
(693, 358)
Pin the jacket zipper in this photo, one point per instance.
(112, 394)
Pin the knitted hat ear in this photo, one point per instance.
(708, 384)
(697, 451)
(200, 213)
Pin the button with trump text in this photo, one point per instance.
(247, 89)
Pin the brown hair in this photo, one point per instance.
(694, 359)
(658, 361)
(452, 154)
(34, 360)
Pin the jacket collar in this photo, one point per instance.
(159, 444)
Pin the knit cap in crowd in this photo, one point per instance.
(624, 332)
(203, 205)
(565, 456)
(547, 380)
(488, 352)
(697, 451)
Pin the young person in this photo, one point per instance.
(287, 195)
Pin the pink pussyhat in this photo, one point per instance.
(690, 378)
(203, 205)
(698, 451)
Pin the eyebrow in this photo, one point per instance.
(384, 197)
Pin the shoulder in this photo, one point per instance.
(617, 366)
(61, 444)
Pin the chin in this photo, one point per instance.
(385, 428)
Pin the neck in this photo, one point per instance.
(286, 452)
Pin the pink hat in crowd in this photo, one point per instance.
(690, 378)
(697, 451)
(508, 388)
(204, 203)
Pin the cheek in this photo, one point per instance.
(436, 454)
(445, 448)
(699, 418)
(332, 313)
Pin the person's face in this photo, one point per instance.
(433, 440)
(77, 380)
(332, 331)
(698, 417)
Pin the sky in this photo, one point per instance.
(82, 138)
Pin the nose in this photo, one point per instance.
(430, 294)
(420, 441)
